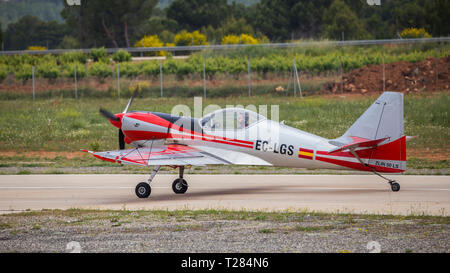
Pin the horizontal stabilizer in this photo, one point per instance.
(358, 143)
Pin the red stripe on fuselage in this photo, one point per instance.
(395, 150)
(357, 166)
(154, 119)
(178, 136)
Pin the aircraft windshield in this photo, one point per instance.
(230, 119)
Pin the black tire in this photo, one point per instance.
(395, 186)
(179, 186)
(143, 190)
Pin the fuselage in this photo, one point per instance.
(275, 143)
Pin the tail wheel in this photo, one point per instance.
(143, 190)
(179, 186)
(395, 186)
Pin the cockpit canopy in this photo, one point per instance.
(230, 119)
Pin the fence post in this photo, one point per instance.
(384, 74)
(76, 83)
(161, 78)
(32, 76)
(289, 81)
(298, 79)
(294, 75)
(342, 74)
(249, 79)
(204, 80)
(436, 72)
(118, 81)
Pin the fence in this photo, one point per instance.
(292, 73)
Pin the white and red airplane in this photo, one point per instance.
(236, 136)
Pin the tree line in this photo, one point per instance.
(118, 23)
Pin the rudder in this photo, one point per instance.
(382, 120)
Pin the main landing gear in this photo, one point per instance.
(179, 186)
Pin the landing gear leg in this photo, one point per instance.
(143, 189)
(394, 185)
(180, 186)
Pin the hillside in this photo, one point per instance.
(47, 10)
(165, 3)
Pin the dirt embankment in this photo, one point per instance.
(429, 75)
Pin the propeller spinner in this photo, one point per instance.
(116, 120)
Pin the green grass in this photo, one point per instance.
(67, 125)
(70, 125)
(124, 216)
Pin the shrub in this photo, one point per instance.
(100, 70)
(138, 87)
(150, 68)
(150, 41)
(242, 39)
(69, 70)
(248, 39)
(24, 72)
(185, 38)
(415, 33)
(231, 40)
(72, 57)
(121, 56)
(49, 70)
(129, 70)
(37, 48)
(3, 72)
(178, 67)
(99, 55)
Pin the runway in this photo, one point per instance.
(429, 195)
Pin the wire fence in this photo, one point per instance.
(252, 80)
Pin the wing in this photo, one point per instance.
(177, 155)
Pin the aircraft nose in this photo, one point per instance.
(117, 122)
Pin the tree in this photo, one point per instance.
(377, 28)
(231, 26)
(45, 10)
(338, 19)
(409, 15)
(287, 19)
(31, 31)
(437, 13)
(1, 35)
(107, 22)
(69, 42)
(194, 14)
(270, 17)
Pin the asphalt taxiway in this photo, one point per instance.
(428, 195)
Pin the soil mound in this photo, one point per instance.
(429, 75)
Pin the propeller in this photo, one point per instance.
(115, 118)
(121, 140)
(130, 101)
(109, 115)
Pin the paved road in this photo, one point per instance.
(329, 193)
